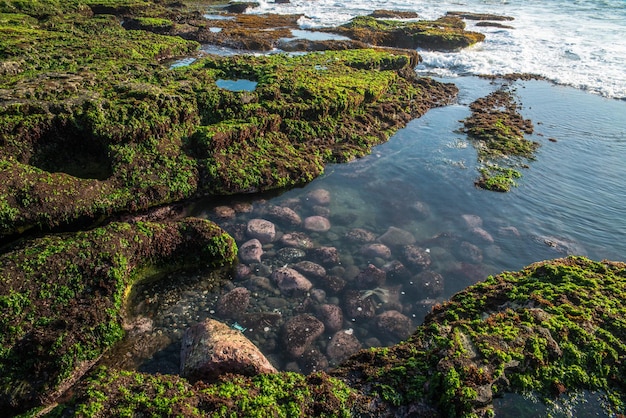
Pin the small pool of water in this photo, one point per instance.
(416, 190)
(237, 85)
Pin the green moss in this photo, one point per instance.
(498, 131)
(121, 393)
(446, 33)
(57, 314)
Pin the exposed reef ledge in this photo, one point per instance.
(555, 327)
(62, 297)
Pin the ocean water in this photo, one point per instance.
(579, 43)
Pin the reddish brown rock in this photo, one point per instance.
(394, 324)
(210, 349)
(310, 269)
(370, 277)
(299, 333)
(251, 251)
(290, 282)
(377, 250)
(261, 229)
(316, 224)
(416, 257)
(284, 216)
(342, 345)
(233, 303)
(331, 316)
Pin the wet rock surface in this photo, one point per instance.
(210, 349)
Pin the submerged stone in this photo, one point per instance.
(211, 349)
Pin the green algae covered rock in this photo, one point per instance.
(554, 328)
(92, 123)
(444, 34)
(62, 296)
(497, 130)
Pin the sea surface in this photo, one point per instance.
(570, 200)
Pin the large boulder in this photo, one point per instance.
(210, 349)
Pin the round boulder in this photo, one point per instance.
(316, 224)
(261, 229)
(290, 282)
(233, 303)
(342, 345)
(251, 251)
(331, 316)
(210, 349)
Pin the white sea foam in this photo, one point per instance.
(581, 43)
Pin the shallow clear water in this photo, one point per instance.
(569, 201)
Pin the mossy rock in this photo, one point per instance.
(62, 297)
(444, 34)
(85, 135)
(555, 327)
(498, 132)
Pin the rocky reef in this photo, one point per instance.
(88, 134)
(100, 122)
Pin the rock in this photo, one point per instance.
(416, 257)
(394, 325)
(313, 361)
(224, 212)
(482, 234)
(377, 250)
(360, 235)
(261, 229)
(299, 333)
(318, 295)
(370, 277)
(321, 211)
(290, 282)
(430, 284)
(242, 271)
(316, 224)
(326, 256)
(471, 253)
(332, 284)
(243, 207)
(395, 270)
(331, 316)
(355, 307)
(289, 255)
(233, 303)
(284, 216)
(251, 251)
(310, 269)
(297, 240)
(318, 197)
(342, 345)
(472, 221)
(396, 237)
(509, 231)
(210, 349)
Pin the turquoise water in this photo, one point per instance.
(236, 85)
